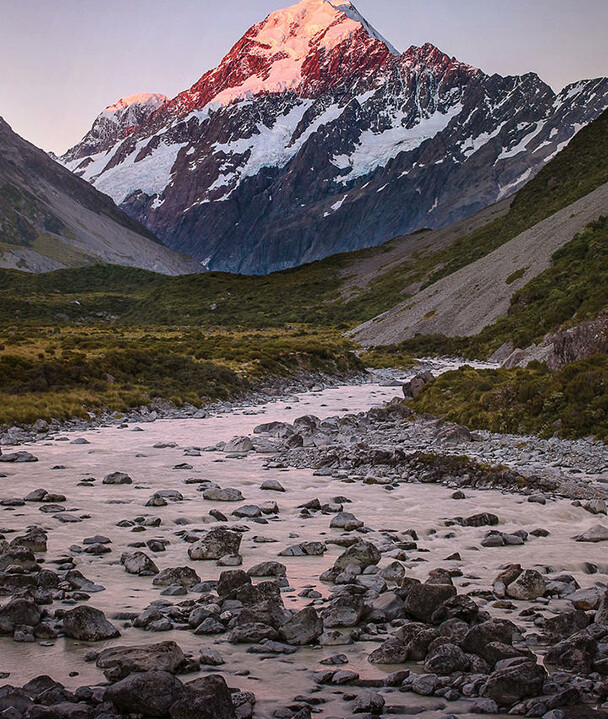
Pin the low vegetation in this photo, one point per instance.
(67, 372)
(572, 402)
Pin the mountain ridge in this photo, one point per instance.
(312, 138)
(51, 219)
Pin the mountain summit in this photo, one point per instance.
(307, 48)
(315, 136)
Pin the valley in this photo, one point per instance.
(304, 379)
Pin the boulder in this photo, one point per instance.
(139, 563)
(305, 549)
(272, 485)
(118, 662)
(217, 543)
(117, 478)
(577, 652)
(230, 581)
(217, 494)
(303, 628)
(204, 698)
(18, 457)
(369, 703)
(391, 651)
(361, 554)
(424, 599)
(511, 684)
(151, 693)
(483, 519)
(528, 586)
(184, 576)
(344, 611)
(480, 636)
(239, 444)
(252, 633)
(346, 521)
(19, 612)
(268, 569)
(446, 659)
(597, 533)
(88, 624)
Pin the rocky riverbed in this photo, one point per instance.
(306, 556)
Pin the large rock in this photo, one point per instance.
(369, 703)
(361, 554)
(204, 698)
(344, 611)
(597, 533)
(446, 659)
(481, 636)
(88, 624)
(217, 494)
(239, 444)
(252, 633)
(304, 549)
(184, 576)
(391, 651)
(484, 519)
(151, 694)
(303, 628)
(19, 557)
(346, 521)
(529, 585)
(18, 457)
(19, 612)
(230, 581)
(509, 685)
(566, 624)
(139, 563)
(424, 599)
(117, 478)
(577, 652)
(217, 543)
(268, 569)
(118, 662)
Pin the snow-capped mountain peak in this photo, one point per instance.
(314, 136)
(305, 48)
(114, 124)
(143, 99)
(351, 11)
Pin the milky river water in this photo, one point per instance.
(274, 681)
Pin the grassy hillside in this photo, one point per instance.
(573, 401)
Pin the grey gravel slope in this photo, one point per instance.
(465, 302)
(65, 222)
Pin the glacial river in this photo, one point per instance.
(62, 465)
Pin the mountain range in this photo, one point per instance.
(315, 136)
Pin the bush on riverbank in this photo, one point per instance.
(532, 400)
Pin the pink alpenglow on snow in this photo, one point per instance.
(306, 48)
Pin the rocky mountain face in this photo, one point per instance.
(315, 136)
(50, 219)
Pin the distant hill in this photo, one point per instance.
(51, 219)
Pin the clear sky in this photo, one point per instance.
(63, 61)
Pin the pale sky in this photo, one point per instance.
(63, 61)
